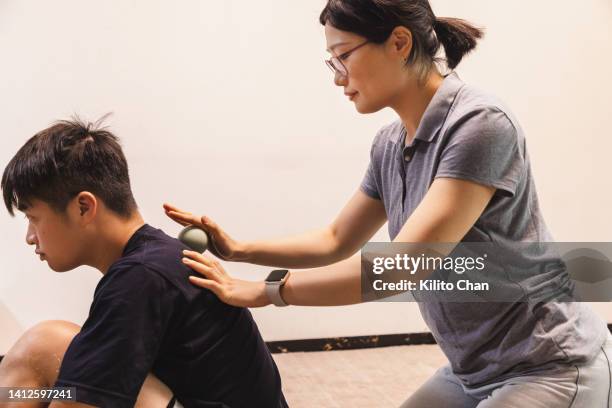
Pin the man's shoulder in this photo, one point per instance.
(132, 278)
(155, 254)
(153, 260)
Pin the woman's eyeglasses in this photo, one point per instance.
(335, 63)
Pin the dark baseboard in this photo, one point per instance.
(353, 343)
(350, 343)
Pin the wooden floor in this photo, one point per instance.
(379, 377)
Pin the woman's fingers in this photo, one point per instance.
(207, 284)
(210, 224)
(202, 269)
(198, 257)
(186, 218)
(215, 277)
(210, 268)
(220, 244)
(177, 219)
(182, 217)
(170, 207)
(176, 214)
(229, 290)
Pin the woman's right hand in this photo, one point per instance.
(222, 245)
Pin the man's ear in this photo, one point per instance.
(87, 205)
(400, 42)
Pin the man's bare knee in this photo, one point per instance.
(35, 358)
(153, 394)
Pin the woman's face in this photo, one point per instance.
(375, 71)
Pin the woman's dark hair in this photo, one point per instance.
(58, 163)
(376, 19)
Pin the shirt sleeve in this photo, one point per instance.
(369, 184)
(107, 362)
(484, 147)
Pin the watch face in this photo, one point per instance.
(277, 275)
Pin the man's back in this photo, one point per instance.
(147, 317)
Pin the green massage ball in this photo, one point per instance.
(195, 238)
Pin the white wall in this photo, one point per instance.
(226, 108)
(9, 327)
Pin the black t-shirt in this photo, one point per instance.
(147, 317)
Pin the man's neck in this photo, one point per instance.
(112, 237)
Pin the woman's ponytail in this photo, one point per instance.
(458, 37)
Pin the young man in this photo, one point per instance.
(71, 181)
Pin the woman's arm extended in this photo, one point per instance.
(448, 211)
(360, 218)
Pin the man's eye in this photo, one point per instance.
(343, 57)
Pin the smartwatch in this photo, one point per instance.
(275, 280)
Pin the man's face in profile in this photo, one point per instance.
(54, 235)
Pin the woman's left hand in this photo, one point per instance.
(229, 290)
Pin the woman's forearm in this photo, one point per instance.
(335, 285)
(309, 250)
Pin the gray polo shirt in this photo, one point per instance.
(468, 134)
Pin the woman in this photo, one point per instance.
(453, 168)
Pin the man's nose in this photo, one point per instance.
(31, 236)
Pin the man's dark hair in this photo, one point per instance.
(69, 157)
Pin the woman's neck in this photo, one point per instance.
(413, 100)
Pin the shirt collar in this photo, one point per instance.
(437, 110)
(136, 240)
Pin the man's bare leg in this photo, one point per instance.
(35, 360)
(154, 394)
